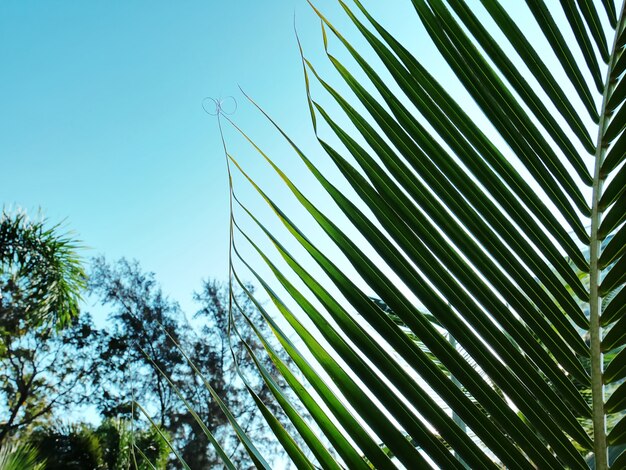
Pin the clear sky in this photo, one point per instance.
(102, 122)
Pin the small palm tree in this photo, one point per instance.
(41, 275)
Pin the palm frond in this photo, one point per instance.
(489, 235)
(20, 457)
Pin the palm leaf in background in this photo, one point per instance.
(490, 235)
(20, 457)
(40, 272)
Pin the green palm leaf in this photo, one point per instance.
(40, 273)
(20, 457)
(460, 236)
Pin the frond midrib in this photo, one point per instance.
(595, 300)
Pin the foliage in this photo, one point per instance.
(152, 449)
(479, 224)
(43, 365)
(19, 457)
(138, 320)
(116, 441)
(142, 359)
(41, 275)
(114, 445)
(71, 447)
(221, 361)
(44, 371)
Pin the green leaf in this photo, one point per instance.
(616, 336)
(502, 110)
(617, 435)
(616, 369)
(593, 22)
(616, 155)
(576, 23)
(451, 119)
(496, 304)
(435, 177)
(609, 6)
(615, 277)
(617, 400)
(615, 216)
(615, 188)
(517, 80)
(349, 454)
(216, 445)
(541, 71)
(156, 427)
(374, 278)
(252, 450)
(615, 309)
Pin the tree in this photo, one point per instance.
(41, 275)
(44, 359)
(113, 445)
(137, 344)
(143, 359)
(43, 372)
(473, 218)
(214, 357)
(71, 447)
(125, 447)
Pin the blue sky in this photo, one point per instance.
(102, 123)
